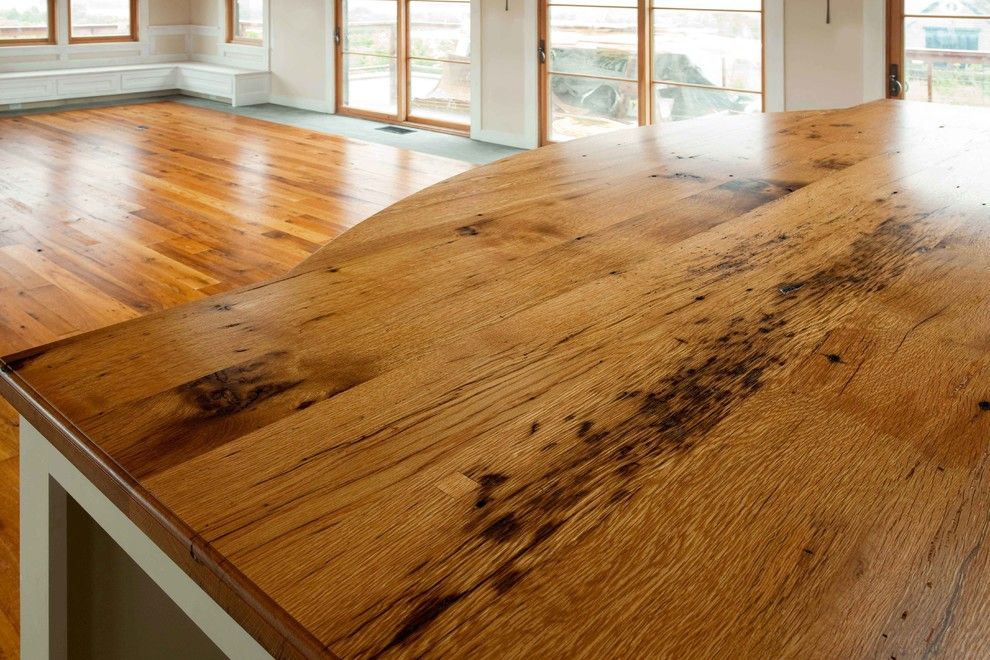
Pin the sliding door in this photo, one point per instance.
(592, 59)
(940, 51)
(707, 58)
(405, 61)
(367, 62)
(611, 64)
(439, 63)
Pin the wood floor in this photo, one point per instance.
(110, 213)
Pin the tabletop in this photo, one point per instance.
(717, 387)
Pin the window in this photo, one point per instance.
(245, 22)
(26, 22)
(405, 61)
(97, 21)
(939, 50)
(439, 61)
(707, 58)
(611, 64)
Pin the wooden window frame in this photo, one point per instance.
(232, 37)
(895, 45)
(897, 49)
(402, 59)
(644, 81)
(50, 40)
(116, 38)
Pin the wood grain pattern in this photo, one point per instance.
(111, 213)
(710, 389)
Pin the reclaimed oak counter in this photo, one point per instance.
(714, 388)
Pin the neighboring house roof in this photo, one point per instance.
(952, 7)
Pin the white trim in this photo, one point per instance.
(42, 540)
(205, 30)
(42, 551)
(874, 51)
(331, 56)
(477, 75)
(773, 56)
(531, 77)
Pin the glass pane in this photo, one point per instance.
(947, 60)
(734, 5)
(587, 106)
(953, 8)
(721, 49)
(248, 20)
(440, 30)
(101, 18)
(24, 19)
(596, 3)
(440, 90)
(594, 41)
(370, 83)
(370, 26)
(677, 102)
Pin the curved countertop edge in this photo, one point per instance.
(279, 632)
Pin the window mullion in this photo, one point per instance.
(646, 63)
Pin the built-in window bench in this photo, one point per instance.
(236, 86)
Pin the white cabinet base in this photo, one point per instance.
(236, 86)
(47, 480)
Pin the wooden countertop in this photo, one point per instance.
(704, 389)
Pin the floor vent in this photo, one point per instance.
(398, 130)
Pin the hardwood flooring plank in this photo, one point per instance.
(110, 213)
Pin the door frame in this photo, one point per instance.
(895, 48)
(403, 82)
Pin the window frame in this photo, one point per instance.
(50, 40)
(403, 63)
(644, 50)
(232, 37)
(109, 39)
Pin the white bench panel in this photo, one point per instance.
(149, 81)
(206, 82)
(93, 84)
(28, 90)
(238, 86)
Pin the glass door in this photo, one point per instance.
(611, 64)
(707, 58)
(439, 65)
(940, 51)
(592, 60)
(368, 43)
(406, 61)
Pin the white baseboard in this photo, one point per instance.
(301, 103)
(506, 139)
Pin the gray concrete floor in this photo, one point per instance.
(430, 142)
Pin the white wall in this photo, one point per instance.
(302, 54)
(833, 65)
(504, 72)
(208, 37)
(162, 37)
